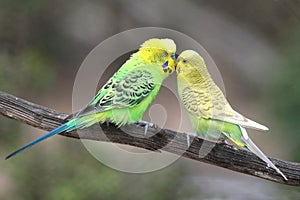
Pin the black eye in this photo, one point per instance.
(184, 61)
(165, 54)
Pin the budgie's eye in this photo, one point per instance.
(184, 61)
(165, 54)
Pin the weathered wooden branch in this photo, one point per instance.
(222, 155)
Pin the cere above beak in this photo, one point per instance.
(173, 55)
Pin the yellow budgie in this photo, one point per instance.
(210, 113)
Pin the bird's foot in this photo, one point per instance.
(146, 125)
(188, 139)
(107, 123)
(224, 141)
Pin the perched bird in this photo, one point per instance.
(127, 94)
(210, 113)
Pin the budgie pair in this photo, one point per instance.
(127, 94)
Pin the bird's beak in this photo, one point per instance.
(176, 62)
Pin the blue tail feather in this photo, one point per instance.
(60, 129)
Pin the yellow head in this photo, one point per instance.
(161, 52)
(190, 65)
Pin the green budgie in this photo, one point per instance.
(210, 113)
(127, 94)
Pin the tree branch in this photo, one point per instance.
(222, 155)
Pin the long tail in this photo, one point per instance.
(253, 148)
(71, 125)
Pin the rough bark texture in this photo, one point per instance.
(222, 155)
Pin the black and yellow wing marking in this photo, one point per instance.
(123, 91)
(128, 91)
(210, 103)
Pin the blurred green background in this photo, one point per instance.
(255, 45)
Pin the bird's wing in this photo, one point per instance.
(210, 103)
(239, 119)
(123, 91)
